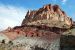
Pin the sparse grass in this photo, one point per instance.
(2, 48)
(11, 47)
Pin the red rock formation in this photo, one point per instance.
(47, 12)
(34, 31)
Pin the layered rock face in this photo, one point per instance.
(40, 30)
(47, 15)
(32, 36)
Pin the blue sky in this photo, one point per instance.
(12, 12)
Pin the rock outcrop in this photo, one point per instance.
(31, 35)
(47, 15)
(40, 30)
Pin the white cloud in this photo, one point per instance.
(64, 1)
(11, 16)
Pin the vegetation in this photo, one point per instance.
(3, 41)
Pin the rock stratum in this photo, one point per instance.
(50, 15)
(40, 30)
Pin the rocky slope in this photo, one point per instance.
(41, 29)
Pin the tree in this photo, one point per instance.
(10, 42)
(3, 41)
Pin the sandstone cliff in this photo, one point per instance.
(50, 15)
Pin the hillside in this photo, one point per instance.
(41, 29)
